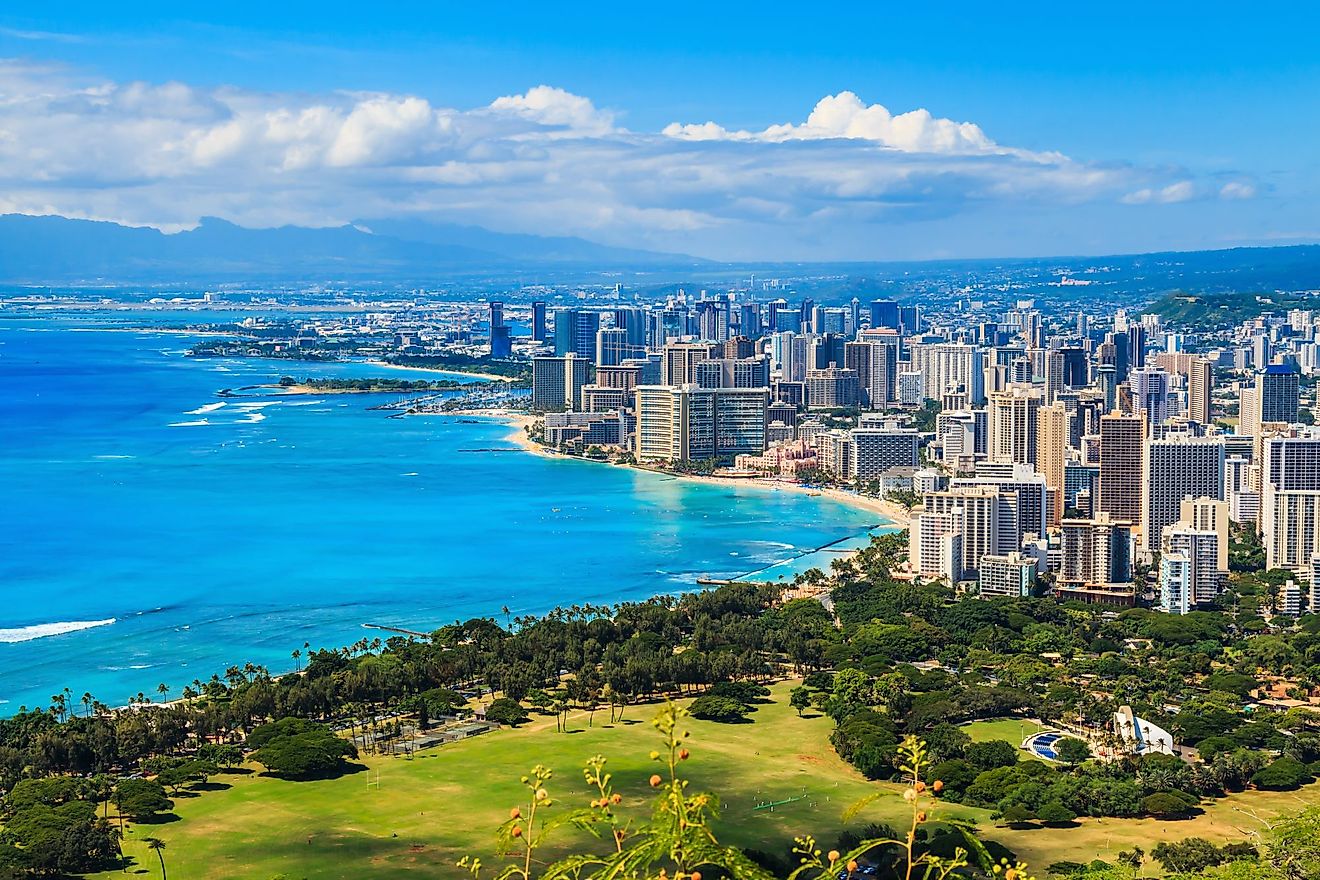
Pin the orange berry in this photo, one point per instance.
(515, 813)
(938, 785)
(517, 831)
(695, 875)
(921, 817)
(683, 754)
(834, 856)
(655, 780)
(616, 799)
(852, 866)
(921, 786)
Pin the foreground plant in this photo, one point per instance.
(677, 842)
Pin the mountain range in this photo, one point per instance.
(45, 249)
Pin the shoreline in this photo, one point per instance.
(893, 514)
(489, 377)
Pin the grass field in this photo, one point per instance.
(426, 813)
(1013, 730)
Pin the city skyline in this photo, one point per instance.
(863, 135)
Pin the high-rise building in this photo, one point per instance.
(876, 364)
(689, 423)
(501, 343)
(1208, 514)
(632, 320)
(1176, 467)
(678, 361)
(1189, 575)
(613, 347)
(1096, 560)
(1119, 489)
(986, 519)
(1248, 411)
(1290, 500)
(950, 365)
(726, 372)
(1020, 480)
(538, 321)
(1052, 434)
(1200, 383)
(1150, 394)
(1277, 388)
(575, 331)
(832, 388)
(1054, 381)
(557, 382)
(935, 545)
(884, 313)
(1012, 421)
(878, 450)
(1011, 575)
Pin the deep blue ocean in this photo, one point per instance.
(152, 532)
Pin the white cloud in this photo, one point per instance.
(557, 108)
(1237, 189)
(1182, 191)
(543, 161)
(845, 116)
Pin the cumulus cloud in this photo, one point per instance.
(845, 116)
(1237, 189)
(542, 161)
(1182, 191)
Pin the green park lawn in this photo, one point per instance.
(428, 812)
(415, 818)
(1013, 730)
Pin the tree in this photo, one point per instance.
(294, 748)
(1166, 805)
(800, 699)
(158, 846)
(991, 754)
(1072, 751)
(1191, 855)
(1282, 775)
(1055, 813)
(506, 711)
(142, 799)
(723, 709)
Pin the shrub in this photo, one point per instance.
(1282, 775)
(722, 709)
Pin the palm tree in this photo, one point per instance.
(297, 659)
(159, 846)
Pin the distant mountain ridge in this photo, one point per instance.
(48, 248)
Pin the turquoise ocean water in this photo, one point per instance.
(150, 534)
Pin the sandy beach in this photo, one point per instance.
(893, 514)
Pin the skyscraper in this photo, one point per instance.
(1052, 455)
(557, 382)
(575, 331)
(1277, 388)
(687, 423)
(538, 321)
(884, 313)
(1012, 424)
(1119, 490)
(501, 343)
(1174, 468)
(1200, 382)
(1150, 394)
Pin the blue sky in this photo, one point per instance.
(1148, 127)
